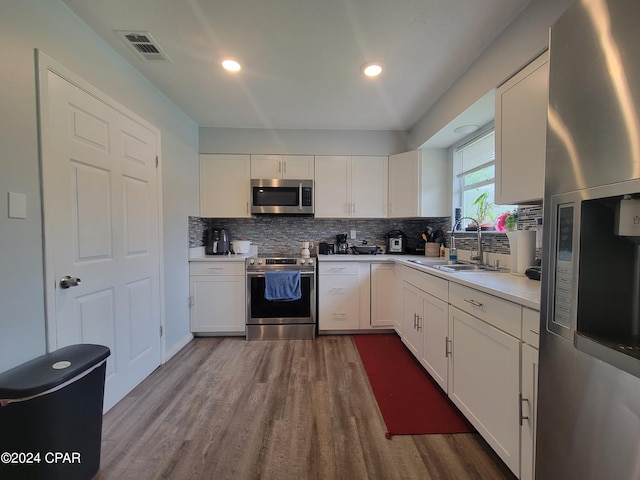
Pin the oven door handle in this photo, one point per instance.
(260, 273)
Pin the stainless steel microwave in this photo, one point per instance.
(284, 197)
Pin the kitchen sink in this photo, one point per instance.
(460, 267)
(424, 263)
(468, 267)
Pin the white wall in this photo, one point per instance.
(49, 26)
(524, 39)
(300, 142)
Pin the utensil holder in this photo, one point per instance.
(431, 249)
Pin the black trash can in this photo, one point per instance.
(51, 415)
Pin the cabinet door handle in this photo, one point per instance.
(473, 302)
(419, 323)
(415, 315)
(447, 346)
(522, 402)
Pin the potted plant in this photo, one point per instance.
(484, 211)
(507, 222)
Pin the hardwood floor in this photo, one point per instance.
(225, 408)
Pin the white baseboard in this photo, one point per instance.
(179, 345)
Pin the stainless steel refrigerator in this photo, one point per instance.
(589, 380)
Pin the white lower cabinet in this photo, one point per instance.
(425, 321)
(382, 290)
(482, 351)
(218, 297)
(529, 402)
(529, 389)
(485, 382)
(338, 296)
(411, 321)
(355, 296)
(436, 346)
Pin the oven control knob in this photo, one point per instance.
(259, 262)
(310, 261)
(302, 261)
(252, 261)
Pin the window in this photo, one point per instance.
(474, 177)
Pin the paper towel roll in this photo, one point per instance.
(523, 250)
(526, 249)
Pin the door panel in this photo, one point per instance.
(91, 204)
(100, 188)
(136, 216)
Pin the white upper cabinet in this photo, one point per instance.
(369, 186)
(296, 167)
(350, 187)
(224, 186)
(419, 184)
(521, 129)
(332, 185)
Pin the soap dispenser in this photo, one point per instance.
(453, 252)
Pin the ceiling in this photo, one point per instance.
(302, 59)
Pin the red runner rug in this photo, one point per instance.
(411, 403)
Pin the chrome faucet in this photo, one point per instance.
(479, 259)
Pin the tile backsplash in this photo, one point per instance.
(282, 235)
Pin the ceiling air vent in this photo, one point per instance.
(144, 45)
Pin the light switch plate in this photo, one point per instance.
(353, 234)
(17, 205)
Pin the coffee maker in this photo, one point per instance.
(341, 243)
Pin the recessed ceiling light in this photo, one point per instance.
(231, 65)
(372, 69)
(464, 129)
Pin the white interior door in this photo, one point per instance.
(100, 189)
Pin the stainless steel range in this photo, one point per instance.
(293, 319)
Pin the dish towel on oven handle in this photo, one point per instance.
(282, 286)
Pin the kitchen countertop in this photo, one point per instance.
(197, 254)
(515, 288)
(221, 258)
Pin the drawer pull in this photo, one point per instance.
(216, 268)
(473, 302)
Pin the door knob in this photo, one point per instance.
(67, 281)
